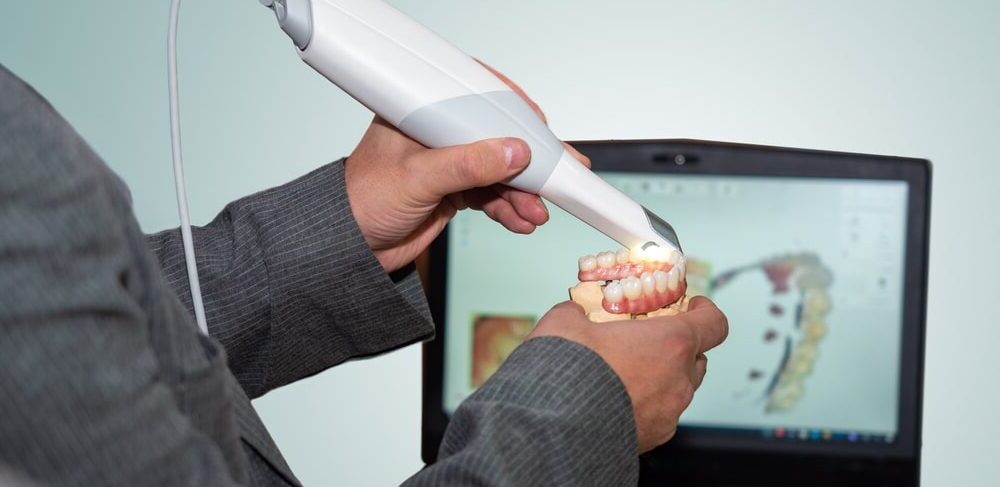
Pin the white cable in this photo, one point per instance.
(175, 142)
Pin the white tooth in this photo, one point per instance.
(622, 256)
(632, 287)
(648, 283)
(606, 260)
(588, 263)
(635, 256)
(613, 292)
(674, 257)
(661, 281)
(682, 268)
(673, 279)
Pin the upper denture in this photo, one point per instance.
(608, 266)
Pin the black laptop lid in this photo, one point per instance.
(819, 261)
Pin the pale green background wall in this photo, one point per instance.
(892, 77)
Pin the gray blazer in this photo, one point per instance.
(105, 380)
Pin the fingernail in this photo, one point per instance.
(515, 153)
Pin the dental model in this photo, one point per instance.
(634, 284)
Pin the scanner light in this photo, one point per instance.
(654, 252)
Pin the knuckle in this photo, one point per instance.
(686, 394)
(682, 343)
(712, 310)
(725, 323)
(665, 428)
(475, 163)
(678, 350)
(721, 322)
(569, 307)
(465, 169)
(409, 166)
(409, 169)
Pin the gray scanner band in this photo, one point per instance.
(470, 118)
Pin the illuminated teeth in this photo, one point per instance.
(674, 257)
(614, 292)
(606, 260)
(588, 263)
(632, 287)
(655, 253)
(635, 256)
(660, 278)
(673, 279)
(648, 283)
(622, 256)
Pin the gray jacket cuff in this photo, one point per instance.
(320, 267)
(553, 414)
(290, 285)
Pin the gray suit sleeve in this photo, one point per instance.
(82, 395)
(553, 414)
(290, 285)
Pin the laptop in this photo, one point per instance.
(819, 260)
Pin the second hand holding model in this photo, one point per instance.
(441, 97)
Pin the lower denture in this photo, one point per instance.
(645, 303)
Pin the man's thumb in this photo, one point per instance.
(461, 167)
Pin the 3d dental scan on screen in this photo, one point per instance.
(818, 260)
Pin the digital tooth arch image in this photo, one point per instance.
(802, 276)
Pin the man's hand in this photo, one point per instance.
(402, 194)
(661, 361)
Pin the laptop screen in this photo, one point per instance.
(808, 270)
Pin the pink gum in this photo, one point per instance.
(646, 303)
(621, 271)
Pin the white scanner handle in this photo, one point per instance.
(440, 96)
